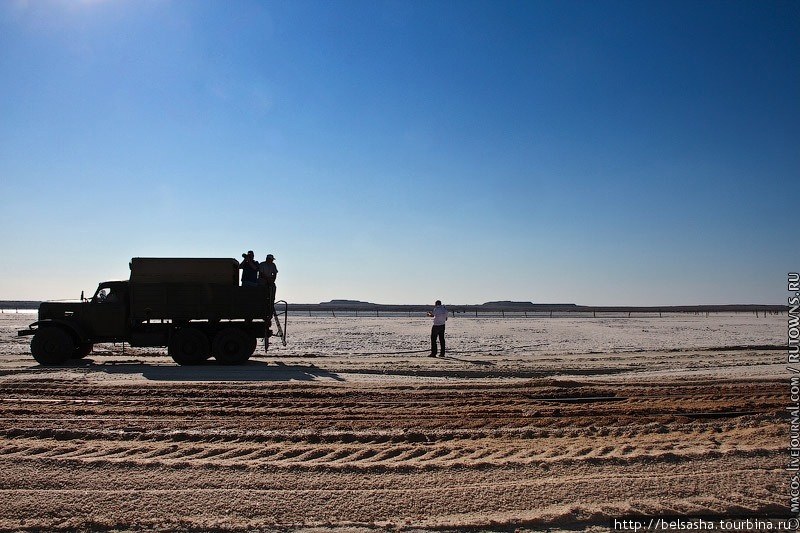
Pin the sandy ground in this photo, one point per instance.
(528, 424)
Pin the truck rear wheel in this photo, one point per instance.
(52, 346)
(233, 346)
(189, 346)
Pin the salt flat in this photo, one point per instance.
(532, 424)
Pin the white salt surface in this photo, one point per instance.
(326, 348)
(519, 336)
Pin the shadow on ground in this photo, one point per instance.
(210, 371)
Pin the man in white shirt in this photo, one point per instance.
(439, 315)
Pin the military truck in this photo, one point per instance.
(194, 307)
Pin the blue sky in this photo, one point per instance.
(599, 153)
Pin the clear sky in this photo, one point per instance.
(592, 152)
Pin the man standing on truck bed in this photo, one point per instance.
(249, 267)
(267, 274)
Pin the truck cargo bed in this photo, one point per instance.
(197, 301)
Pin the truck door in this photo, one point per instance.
(107, 313)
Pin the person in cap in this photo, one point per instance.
(267, 273)
(439, 315)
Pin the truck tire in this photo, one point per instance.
(82, 350)
(233, 346)
(189, 346)
(52, 346)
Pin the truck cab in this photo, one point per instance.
(69, 329)
(101, 318)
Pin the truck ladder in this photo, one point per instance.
(281, 330)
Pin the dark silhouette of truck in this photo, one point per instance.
(194, 307)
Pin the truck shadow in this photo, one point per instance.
(251, 371)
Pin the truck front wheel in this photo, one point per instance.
(189, 346)
(52, 346)
(82, 350)
(233, 346)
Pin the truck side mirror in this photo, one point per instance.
(82, 298)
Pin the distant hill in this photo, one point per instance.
(346, 302)
(507, 305)
(523, 305)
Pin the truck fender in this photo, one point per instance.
(73, 329)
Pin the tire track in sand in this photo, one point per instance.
(230, 457)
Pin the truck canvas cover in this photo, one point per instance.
(192, 289)
(212, 271)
